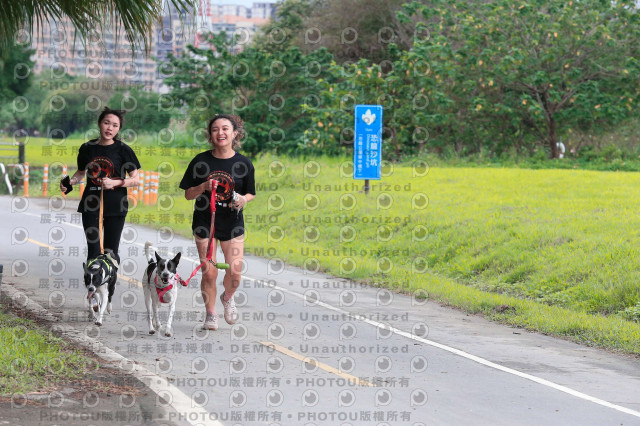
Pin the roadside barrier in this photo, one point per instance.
(26, 180)
(141, 186)
(132, 196)
(5, 178)
(12, 156)
(153, 188)
(45, 180)
(147, 182)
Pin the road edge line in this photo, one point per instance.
(459, 352)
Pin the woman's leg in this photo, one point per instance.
(113, 226)
(233, 250)
(209, 274)
(90, 225)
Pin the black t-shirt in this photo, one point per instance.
(233, 174)
(121, 159)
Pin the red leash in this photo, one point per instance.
(210, 249)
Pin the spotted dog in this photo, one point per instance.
(160, 286)
(100, 276)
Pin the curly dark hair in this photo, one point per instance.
(238, 126)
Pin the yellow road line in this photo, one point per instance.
(38, 243)
(325, 367)
(130, 280)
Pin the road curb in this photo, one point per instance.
(178, 407)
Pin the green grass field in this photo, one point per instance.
(31, 359)
(548, 250)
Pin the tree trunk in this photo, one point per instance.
(553, 138)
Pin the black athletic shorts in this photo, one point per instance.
(229, 224)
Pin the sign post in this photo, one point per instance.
(367, 143)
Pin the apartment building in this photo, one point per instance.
(108, 55)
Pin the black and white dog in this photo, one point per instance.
(100, 276)
(160, 285)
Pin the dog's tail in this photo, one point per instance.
(147, 252)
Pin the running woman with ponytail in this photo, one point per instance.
(106, 162)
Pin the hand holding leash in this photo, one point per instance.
(239, 201)
(214, 186)
(111, 183)
(210, 185)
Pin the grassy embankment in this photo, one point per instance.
(32, 359)
(548, 250)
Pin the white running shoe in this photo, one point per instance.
(211, 322)
(230, 311)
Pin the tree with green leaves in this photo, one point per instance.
(267, 89)
(539, 67)
(405, 105)
(143, 112)
(16, 77)
(23, 111)
(15, 72)
(287, 28)
(350, 29)
(73, 107)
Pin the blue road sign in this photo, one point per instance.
(367, 143)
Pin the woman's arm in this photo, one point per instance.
(132, 181)
(193, 192)
(75, 179)
(243, 200)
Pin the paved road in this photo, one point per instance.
(313, 349)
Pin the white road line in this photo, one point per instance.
(73, 225)
(459, 352)
(186, 408)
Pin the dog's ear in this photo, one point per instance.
(84, 267)
(158, 258)
(176, 259)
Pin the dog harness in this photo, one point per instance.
(163, 290)
(106, 263)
